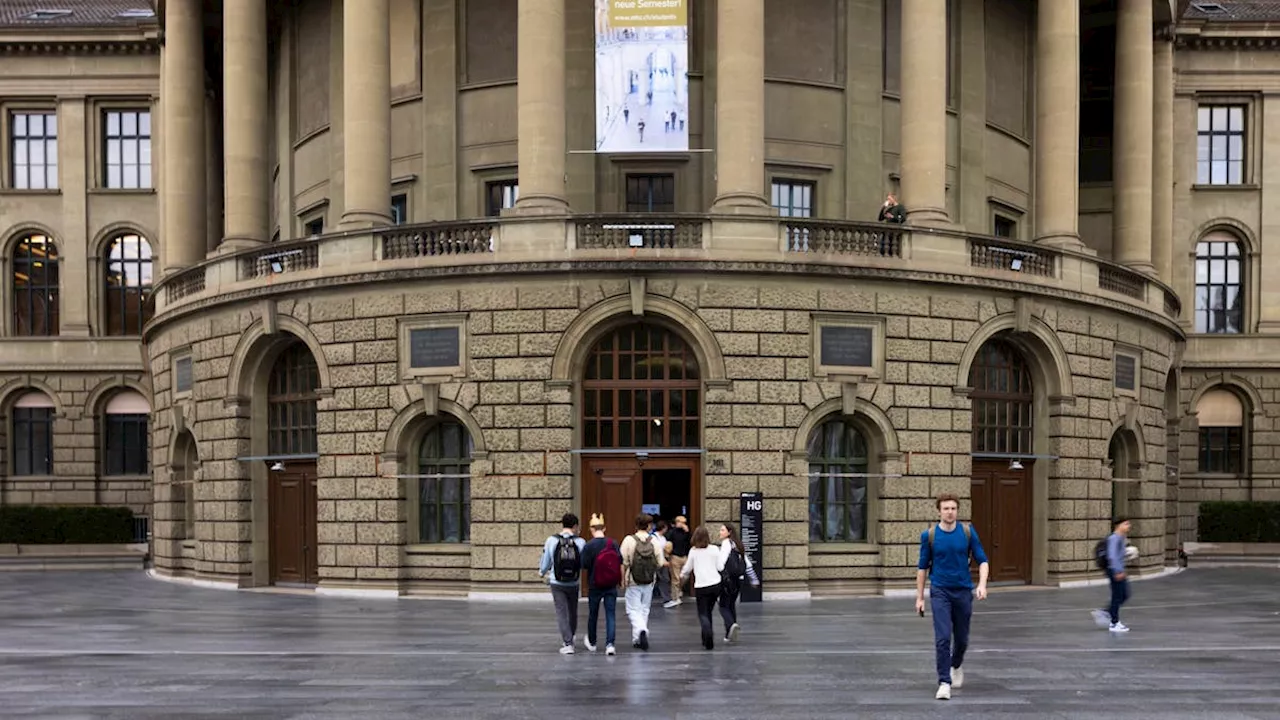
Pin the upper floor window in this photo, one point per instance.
(35, 286)
(793, 198)
(35, 150)
(651, 193)
(1219, 300)
(399, 209)
(1220, 145)
(500, 195)
(1004, 227)
(125, 437)
(127, 156)
(33, 435)
(128, 285)
(1220, 416)
(315, 226)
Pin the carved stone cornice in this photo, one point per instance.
(80, 47)
(1226, 42)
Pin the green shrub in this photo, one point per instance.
(60, 525)
(1240, 522)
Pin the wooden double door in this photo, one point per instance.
(294, 549)
(621, 487)
(1002, 503)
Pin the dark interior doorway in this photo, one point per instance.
(666, 493)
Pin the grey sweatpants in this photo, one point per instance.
(566, 599)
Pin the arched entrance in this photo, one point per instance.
(291, 432)
(641, 427)
(1003, 431)
(1125, 472)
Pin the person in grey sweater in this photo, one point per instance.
(564, 577)
(1117, 541)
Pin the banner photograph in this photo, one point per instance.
(642, 75)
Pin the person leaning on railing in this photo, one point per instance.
(890, 212)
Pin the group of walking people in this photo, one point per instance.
(637, 566)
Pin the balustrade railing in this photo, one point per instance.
(280, 258)
(1011, 255)
(1119, 280)
(437, 239)
(835, 237)
(670, 232)
(188, 282)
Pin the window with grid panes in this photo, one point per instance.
(127, 156)
(1003, 400)
(641, 389)
(444, 503)
(1221, 450)
(32, 441)
(126, 444)
(35, 287)
(500, 195)
(837, 497)
(128, 284)
(651, 193)
(291, 402)
(793, 198)
(1219, 300)
(1220, 145)
(35, 150)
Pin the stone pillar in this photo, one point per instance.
(1162, 162)
(244, 123)
(1057, 208)
(740, 107)
(366, 112)
(924, 111)
(1131, 177)
(182, 88)
(540, 100)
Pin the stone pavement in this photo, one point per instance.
(1205, 644)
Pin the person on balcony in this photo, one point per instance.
(890, 212)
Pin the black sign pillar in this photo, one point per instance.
(751, 529)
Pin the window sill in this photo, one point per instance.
(439, 549)
(1224, 187)
(122, 191)
(17, 191)
(843, 548)
(127, 478)
(33, 478)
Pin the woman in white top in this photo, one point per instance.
(705, 563)
(731, 587)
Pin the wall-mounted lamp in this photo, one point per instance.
(277, 466)
(1015, 464)
(1016, 265)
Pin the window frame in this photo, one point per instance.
(1207, 241)
(850, 464)
(16, 416)
(1227, 452)
(133, 461)
(53, 310)
(793, 184)
(650, 175)
(1245, 134)
(101, 137)
(505, 185)
(400, 209)
(443, 465)
(145, 310)
(8, 117)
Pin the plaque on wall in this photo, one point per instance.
(434, 347)
(1126, 372)
(182, 375)
(847, 346)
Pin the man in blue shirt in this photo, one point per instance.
(944, 555)
(1117, 542)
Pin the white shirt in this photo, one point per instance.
(726, 546)
(705, 564)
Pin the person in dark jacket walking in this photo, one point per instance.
(602, 584)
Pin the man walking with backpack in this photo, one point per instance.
(562, 558)
(602, 559)
(1109, 555)
(641, 558)
(944, 554)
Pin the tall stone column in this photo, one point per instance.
(740, 107)
(1131, 178)
(1162, 162)
(184, 127)
(1058, 123)
(244, 123)
(540, 100)
(366, 112)
(924, 111)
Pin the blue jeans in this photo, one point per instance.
(952, 608)
(1119, 594)
(610, 597)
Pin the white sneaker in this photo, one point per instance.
(566, 650)
(957, 677)
(589, 646)
(1102, 618)
(671, 603)
(944, 692)
(734, 629)
(1119, 627)
(608, 650)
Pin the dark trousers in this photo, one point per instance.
(729, 591)
(566, 599)
(707, 597)
(952, 608)
(662, 590)
(610, 598)
(1119, 594)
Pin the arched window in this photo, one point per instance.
(291, 402)
(444, 502)
(837, 501)
(1221, 418)
(33, 435)
(1003, 400)
(125, 439)
(128, 284)
(35, 286)
(186, 460)
(1219, 285)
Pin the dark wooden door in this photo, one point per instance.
(611, 487)
(294, 552)
(1001, 500)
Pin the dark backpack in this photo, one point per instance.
(606, 570)
(735, 566)
(1100, 555)
(644, 562)
(567, 561)
(968, 539)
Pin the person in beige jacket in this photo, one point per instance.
(639, 577)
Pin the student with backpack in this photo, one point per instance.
(562, 559)
(737, 567)
(706, 565)
(1109, 555)
(944, 554)
(602, 559)
(641, 558)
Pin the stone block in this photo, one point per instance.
(522, 368)
(508, 511)
(728, 295)
(490, 486)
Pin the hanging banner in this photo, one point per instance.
(642, 75)
(751, 530)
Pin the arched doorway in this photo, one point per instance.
(641, 427)
(291, 443)
(1003, 455)
(1125, 472)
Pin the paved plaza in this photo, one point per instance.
(1205, 644)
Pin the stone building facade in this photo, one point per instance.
(403, 321)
